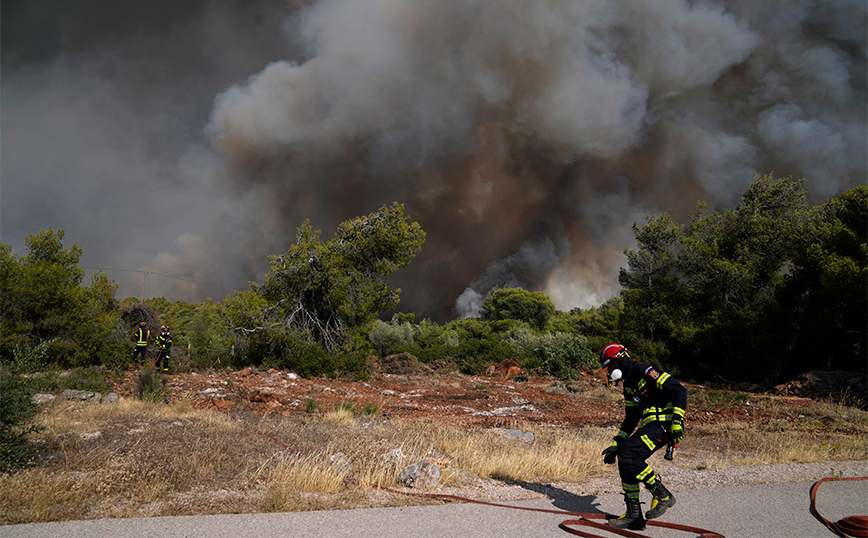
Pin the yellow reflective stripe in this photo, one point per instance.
(644, 474)
(662, 379)
(678, 411)
(631, 490)
(656, 414)
(648, 442)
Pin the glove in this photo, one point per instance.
(676, 431)
(610, 453)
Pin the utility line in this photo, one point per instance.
(145, 276)
(145, 273)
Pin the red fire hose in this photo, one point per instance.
(856, 526)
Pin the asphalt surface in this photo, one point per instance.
(768, 511)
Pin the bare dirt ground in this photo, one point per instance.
(450, 398)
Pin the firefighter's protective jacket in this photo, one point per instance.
(651, 395)
(142, 336)
(164, 342)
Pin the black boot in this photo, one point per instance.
(663, 499)
(632, 519)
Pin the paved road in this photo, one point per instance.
(768, 511)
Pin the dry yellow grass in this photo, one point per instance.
(133, 458)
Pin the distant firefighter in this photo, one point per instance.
(164, 344)
(140, 337)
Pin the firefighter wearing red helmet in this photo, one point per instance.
(164, 344)
(655, 402)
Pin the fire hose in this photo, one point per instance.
(855, 526)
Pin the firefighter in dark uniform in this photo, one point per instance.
(141, 337)
(655, 402)
(164, 344)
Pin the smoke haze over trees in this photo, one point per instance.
(192, 139)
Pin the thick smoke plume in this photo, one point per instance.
(525, 137)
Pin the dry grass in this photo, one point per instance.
(140, 459)
(818, 431)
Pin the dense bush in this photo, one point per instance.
(517, 304)
(42, 299)
(389, 338)
(17, 410)
(559, 354)
(761, 293)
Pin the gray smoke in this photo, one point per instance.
(525, 137)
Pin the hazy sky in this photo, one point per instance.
(192, 138)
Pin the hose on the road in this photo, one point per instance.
(585, 518)
(856, 526)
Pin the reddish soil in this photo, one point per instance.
(501, 398)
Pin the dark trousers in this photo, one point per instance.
(163, 357)
(633, 452)
(140, 352)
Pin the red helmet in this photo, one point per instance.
(142, 324)
(612, 351)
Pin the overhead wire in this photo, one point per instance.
(146, 273)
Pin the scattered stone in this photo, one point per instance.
(392, 457)
(526, 437)
(40, 398)
(422, 475)
(180, 423)
(83, 395)
(438, 459)
(340, 462)
(89, 436)
(112, 397)
(504, 411)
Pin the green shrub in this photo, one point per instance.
(354, 365)
(151, 388)
(309, 360)
(559, 354)
(346, 406)
(17, 409)
(88, 378)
